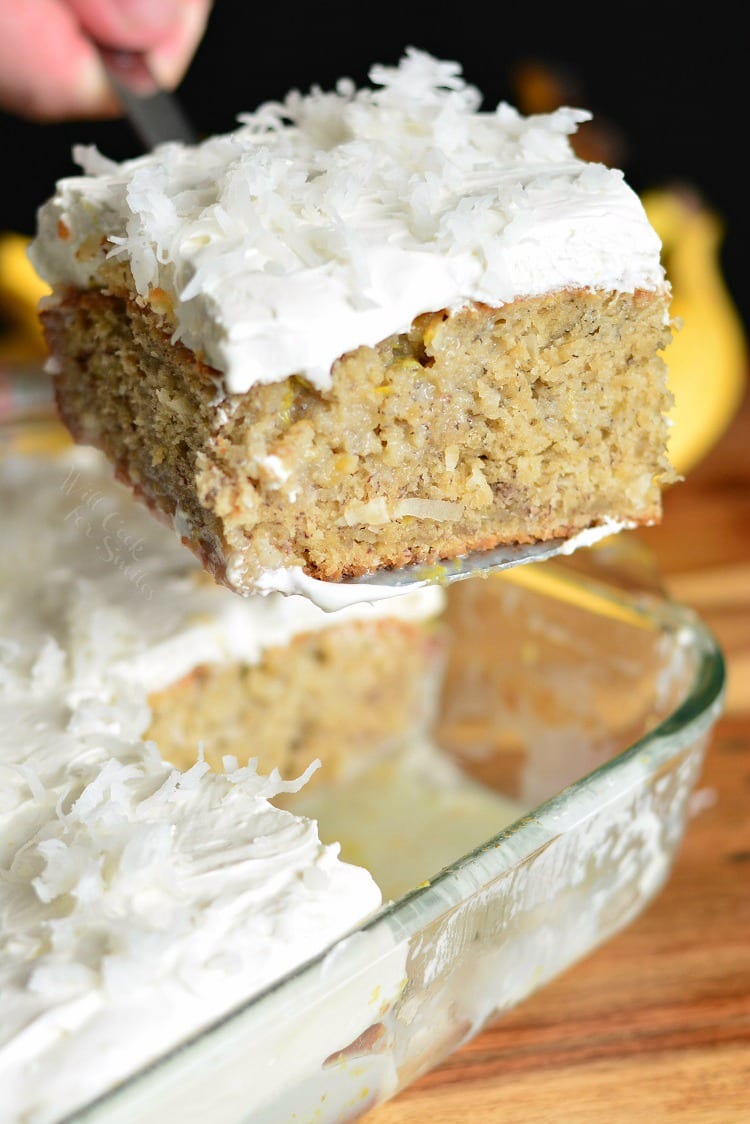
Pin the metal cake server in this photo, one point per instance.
(154, 114)
(479, 563)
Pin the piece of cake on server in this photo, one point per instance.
(368, 327)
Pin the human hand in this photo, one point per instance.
(49, 70)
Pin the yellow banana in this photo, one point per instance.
(708, 356)
(21, 289)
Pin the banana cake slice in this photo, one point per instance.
(367, 327)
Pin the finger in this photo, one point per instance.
(171, 57)
(135, 25)
(167, 30)
(49, 70)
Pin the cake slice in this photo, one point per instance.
(368, 327)
(343, 690)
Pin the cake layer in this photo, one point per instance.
(480, 427)
(344, 696)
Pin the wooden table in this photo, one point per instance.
(654, 1026)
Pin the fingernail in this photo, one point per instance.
(149, 15)
(93, 90)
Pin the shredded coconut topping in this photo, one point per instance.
(332, 219)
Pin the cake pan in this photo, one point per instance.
(589, 701)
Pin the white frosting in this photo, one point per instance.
(335, 218)
(330, 596)
(137, 902)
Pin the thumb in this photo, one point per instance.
(128, 24)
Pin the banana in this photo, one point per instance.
(708, 357)
(21, 289)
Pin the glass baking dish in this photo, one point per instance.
(582, 693)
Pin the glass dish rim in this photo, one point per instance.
(694, 715)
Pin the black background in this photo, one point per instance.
(669, 80)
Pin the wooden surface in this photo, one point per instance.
(654, 1026)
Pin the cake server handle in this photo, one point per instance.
(154, 113)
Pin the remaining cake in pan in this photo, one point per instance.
(368, 327)
(142, 903)
(344, 688)
(139, 902)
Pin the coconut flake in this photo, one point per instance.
(442, 511)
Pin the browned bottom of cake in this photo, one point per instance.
(477, 428)
(342, 695)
